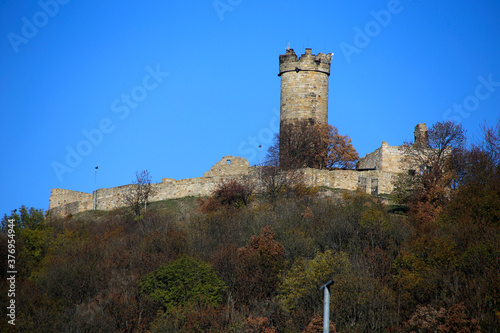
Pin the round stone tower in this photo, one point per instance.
(304, 87)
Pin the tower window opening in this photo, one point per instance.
(228, 162)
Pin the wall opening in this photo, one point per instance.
(228, 162)
(362, 183)
(374, 185)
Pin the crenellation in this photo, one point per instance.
(289, 62)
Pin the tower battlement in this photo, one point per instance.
(289, 62)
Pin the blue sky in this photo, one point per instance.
(173, 86)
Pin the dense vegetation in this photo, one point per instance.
(238, 262)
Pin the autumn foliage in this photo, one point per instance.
(319, 146)
(239, 267)
(229, 194)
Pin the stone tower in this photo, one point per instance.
(304, 102)
(421, 137)
(304, 87)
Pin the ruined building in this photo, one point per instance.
(304, 97)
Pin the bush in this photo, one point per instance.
(229, 193)
(185, 281)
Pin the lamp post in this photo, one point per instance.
(95, 187)
(326, 306)
(260, 170)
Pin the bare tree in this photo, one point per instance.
(443, 139)
(491, 141)
(138, 193)
(430, 166)
(278, 181)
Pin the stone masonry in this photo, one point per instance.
(386, 158)
(421, 137)
(391, 158)
(374, 181)
(304, 87)
(229, 166)
(64, 202)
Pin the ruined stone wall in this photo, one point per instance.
(64, 202)
(392, 158)
(229, 166)
(372, 160)
(377, 181)
(60, 197)
(386, 158)
(370, 181)
(111, 198)
(421, 136)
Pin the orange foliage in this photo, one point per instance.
(260, 265)
(320, 146)
(316, 325)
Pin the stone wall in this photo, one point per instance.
(370, 181)
(421, 136)
(60, 197)
(229, 166)
(72, 208)
(111, 198)
(386, 158)
(64, 202)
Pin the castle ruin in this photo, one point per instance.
(304, 96)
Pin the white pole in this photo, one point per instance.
(326, 306)
(260, 170)
(95, 187)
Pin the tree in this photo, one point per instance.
(299, 289)
(185, 281)
(316, 325)
(443, 139)
(279, 180)
(259, 266)
(491, 141)
(30, 218)
(31, 235)
(319, 146)
(428, 319)
(341, 152)
(139, 192)
(431, 170)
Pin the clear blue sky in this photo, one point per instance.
(173, 86)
